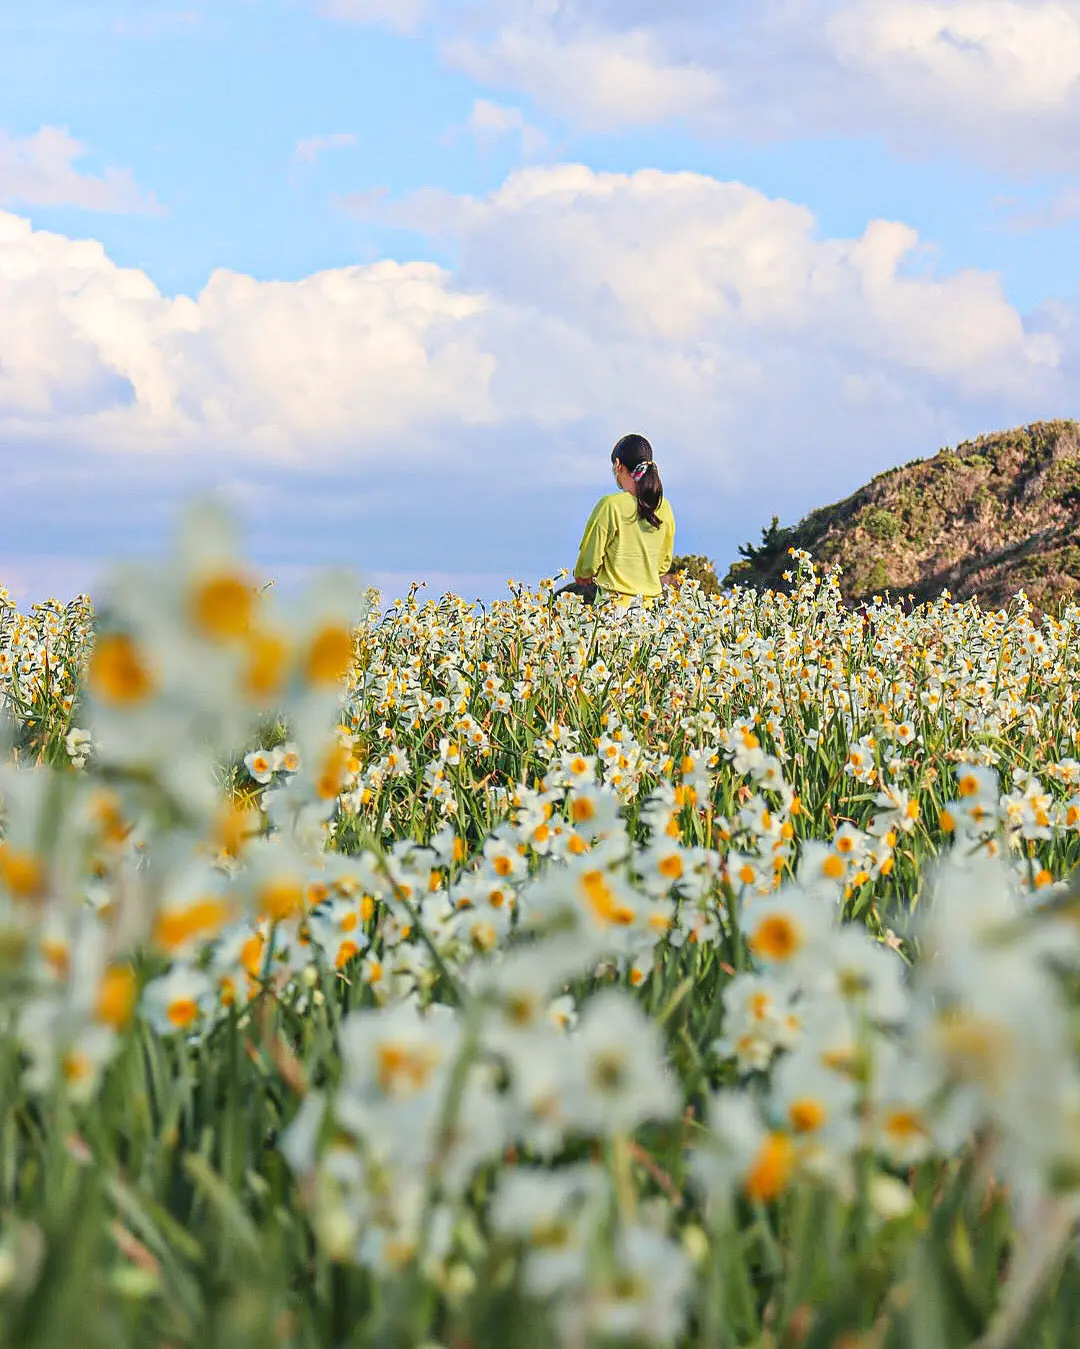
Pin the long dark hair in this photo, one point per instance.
(631, 452)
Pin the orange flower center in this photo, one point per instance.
(222, 607)
(772, 1168)
(777, 938)
(118, 674)
(116, 996)
(183, 1012)
(329, 656)
(807, 1115)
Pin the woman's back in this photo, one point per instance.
(623, 552)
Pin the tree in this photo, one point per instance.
(700, 568)
(761, 564)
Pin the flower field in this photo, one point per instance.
(704, 974)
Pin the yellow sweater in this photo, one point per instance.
(623, 553)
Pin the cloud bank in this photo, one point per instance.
(998, 80)
(470, 408)
(41, 170)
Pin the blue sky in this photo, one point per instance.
(793, 246)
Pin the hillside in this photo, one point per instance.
(991, 517)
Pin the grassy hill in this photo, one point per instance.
(991, 517)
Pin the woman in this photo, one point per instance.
(630, 535)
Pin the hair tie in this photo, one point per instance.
(639, 472)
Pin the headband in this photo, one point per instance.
(638, 472)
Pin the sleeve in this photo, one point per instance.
(594, 541)
(669, 547)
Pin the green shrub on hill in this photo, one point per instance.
(988, 518)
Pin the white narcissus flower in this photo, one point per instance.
(646, 1296)
(787, 931)
(79, 745)
(178, 1001)
(553, 1213)
(617, 1063)
(262, 764)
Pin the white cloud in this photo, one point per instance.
(95, 351)
(491, 122)
(462, 409)
(311, 148)
(1003, 54)
(40, 170)
(601, 79)
(997, 79)
(402, 15)
(682, 262)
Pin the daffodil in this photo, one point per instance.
(553, 1214)
(618, 1068)
(177, 1002)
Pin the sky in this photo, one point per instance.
(394, 275)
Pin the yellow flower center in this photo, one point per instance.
(772, 1168)
(232, 828)
(334, 769)
(807, 1115)
(602, 900)
(904, 1126)
(582, 810)
(182, 1012)
(402, 1069)
(671, 866)
(281, 899)
(222, 607)
(267, 665)
(777, 938)
(345, 953)
(22, 872)
(75, 1067)
(173, 928)
(57, 956)
(116, 996)
(329, 656)
(118, 674)
(251, 955)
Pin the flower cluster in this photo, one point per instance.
(614, 928)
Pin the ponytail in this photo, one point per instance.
(635, 454)
(650, 493)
